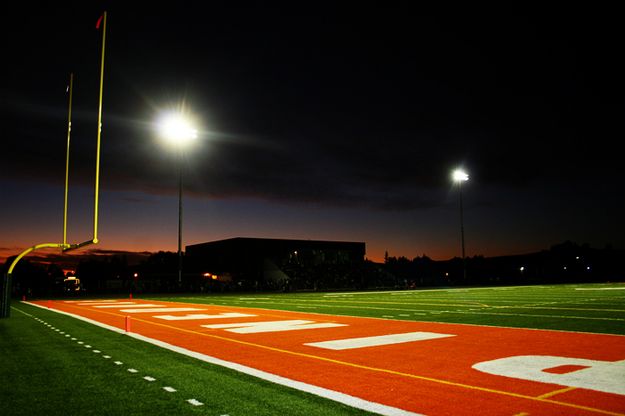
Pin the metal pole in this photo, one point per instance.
(180, 217)
(5, 301)
(464, 262)
(69, 132)
(97, 160)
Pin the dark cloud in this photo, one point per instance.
(72, 260)
(365, 106)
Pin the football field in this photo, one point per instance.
(500, 350)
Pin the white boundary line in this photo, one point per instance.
(298, 385)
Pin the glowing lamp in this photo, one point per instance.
(177, 130)
(459, 175)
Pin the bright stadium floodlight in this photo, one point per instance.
(177, 130)
(458, 177)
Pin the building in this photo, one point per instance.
(276, 264)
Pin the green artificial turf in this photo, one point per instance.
(43, 372)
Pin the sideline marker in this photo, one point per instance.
(127, 323)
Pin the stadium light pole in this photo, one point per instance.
(178, 132)
(458, 177)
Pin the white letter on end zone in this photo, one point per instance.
(605, 376)
(376, 341)
(272, 326)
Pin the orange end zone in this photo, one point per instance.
(421, 367)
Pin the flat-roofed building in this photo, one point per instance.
(268, 263)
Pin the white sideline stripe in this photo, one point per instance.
(203, 316)
(336, 396)
(195, 402)
(160, 310)
(118, 362)
(125, 305)
(148, 378)
(352, 343)
(169, 389)
(132, 370)
(271, 326)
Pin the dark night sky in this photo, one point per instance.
(319, 121)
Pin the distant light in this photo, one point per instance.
(136, 275)
(587, 267)
(522, 268)
(211, 276)
(459, 175)
(177, 129)
(576, 257)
